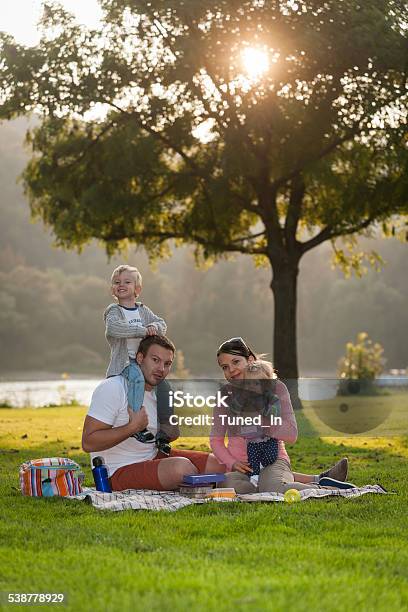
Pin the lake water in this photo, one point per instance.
(46, 392)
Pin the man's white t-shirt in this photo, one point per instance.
(132, 316)
(109, 405)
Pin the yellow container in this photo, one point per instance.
(222, 493)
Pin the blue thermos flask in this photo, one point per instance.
(100, 474)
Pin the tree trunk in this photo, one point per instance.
(284, 288)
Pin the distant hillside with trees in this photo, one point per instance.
(51, 301)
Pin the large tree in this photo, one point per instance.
(259, 127)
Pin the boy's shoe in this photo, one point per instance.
(338, 471)
(332, 482)
(144, 436)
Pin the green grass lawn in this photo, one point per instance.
(318, 555)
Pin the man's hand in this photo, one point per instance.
(241, 466)
(138, 421)
(151, 330)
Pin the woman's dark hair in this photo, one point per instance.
(236, 346)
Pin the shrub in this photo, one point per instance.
(363, 362)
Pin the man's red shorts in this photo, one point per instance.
(143, 475)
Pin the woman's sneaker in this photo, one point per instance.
(332, 482)
(338, 471)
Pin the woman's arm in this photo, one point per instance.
(222, 453)
(288, 430)
(217, 439)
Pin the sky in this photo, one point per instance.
(19, 17)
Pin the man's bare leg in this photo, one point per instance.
(213, 466)
(172, 470)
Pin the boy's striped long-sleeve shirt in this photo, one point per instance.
(118, 330)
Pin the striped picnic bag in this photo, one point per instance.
(55, 476)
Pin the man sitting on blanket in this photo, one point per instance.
(110, 424)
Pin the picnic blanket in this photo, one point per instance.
(144, 499)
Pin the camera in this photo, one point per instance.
(163, 443)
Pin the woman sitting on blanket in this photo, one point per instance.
(263, 444)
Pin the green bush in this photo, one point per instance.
(360, 366)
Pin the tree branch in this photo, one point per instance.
(329, 232)
(195, 169)
(251, 237)
(325, 151)
(269, 216)
(161, 136)
(325, 234)
(294, 210)
(92, 143)
(357, 129)
(162, 236)
(194, 86)
(226, 97)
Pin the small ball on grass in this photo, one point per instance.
(292, 496)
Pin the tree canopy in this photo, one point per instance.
(256, 127)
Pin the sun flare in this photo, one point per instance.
(255, 62)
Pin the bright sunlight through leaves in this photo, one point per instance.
(255, 62)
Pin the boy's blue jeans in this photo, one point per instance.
(135, 385)
(136, 388)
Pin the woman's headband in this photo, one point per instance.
(236, 346)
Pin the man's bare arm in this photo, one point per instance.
(98, 436)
